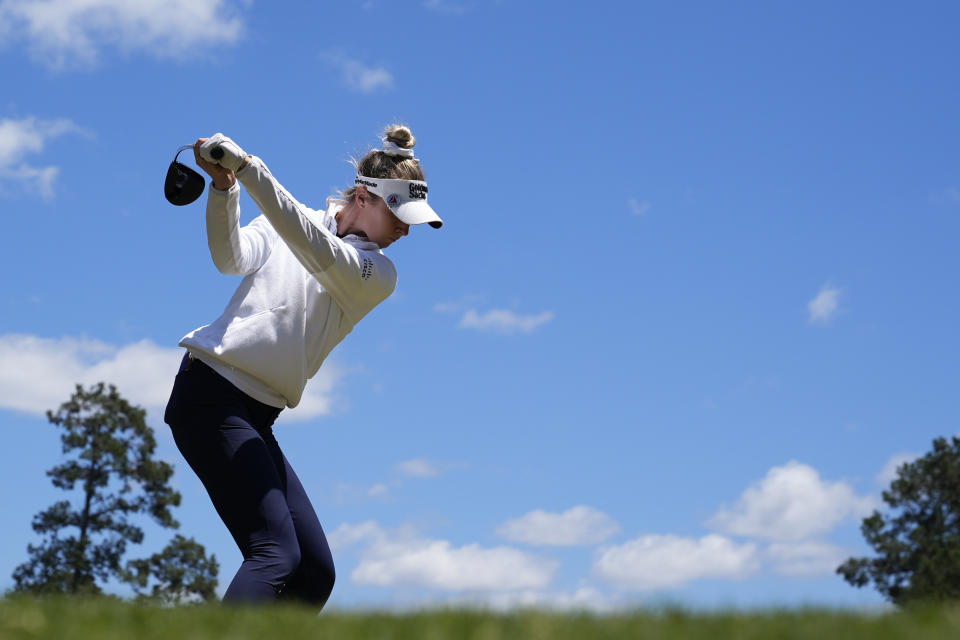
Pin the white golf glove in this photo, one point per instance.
(232, 155)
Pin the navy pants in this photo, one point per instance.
(227, 438)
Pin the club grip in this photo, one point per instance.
(216, 153)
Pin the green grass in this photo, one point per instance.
(103, 619)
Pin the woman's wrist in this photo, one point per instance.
(225, 183)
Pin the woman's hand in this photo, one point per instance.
(223, 178)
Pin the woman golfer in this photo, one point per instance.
(309, 277)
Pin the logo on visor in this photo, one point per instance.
(393, 200)
(418, 191)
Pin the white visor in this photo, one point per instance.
(406, 198)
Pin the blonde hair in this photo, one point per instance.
(377, 164)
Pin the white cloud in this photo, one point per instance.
(665, 561)
(358, 76)
(403, 559)
(948, 196)
(583, 598)
(378, 490)
(791, 503)
(71, 33)
(504, 321)
(37, 374)
(889, 472)
(318, 396)
(457, 306)
(348, 535)
(34, 179)
(639, 207)
(445, 6)
(581, 525)
(809, 558)
(419, 468)
(19, 138)
(436, 564)
(824, 306)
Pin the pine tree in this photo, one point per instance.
(918, 541)
(180, 573)
(109, 449)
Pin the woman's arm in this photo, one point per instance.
(357, 279)
(235, 250)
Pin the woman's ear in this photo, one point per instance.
(361, 196)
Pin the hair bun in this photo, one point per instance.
(400, 135)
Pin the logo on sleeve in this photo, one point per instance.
(366, 270)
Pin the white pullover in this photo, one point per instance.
(304, 288)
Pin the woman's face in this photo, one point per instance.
(381, 226)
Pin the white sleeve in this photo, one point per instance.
(235, 250)
(357, 279)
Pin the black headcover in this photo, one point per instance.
(183, 185)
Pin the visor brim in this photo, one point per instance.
(417, 212)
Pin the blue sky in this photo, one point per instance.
(693, 301)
